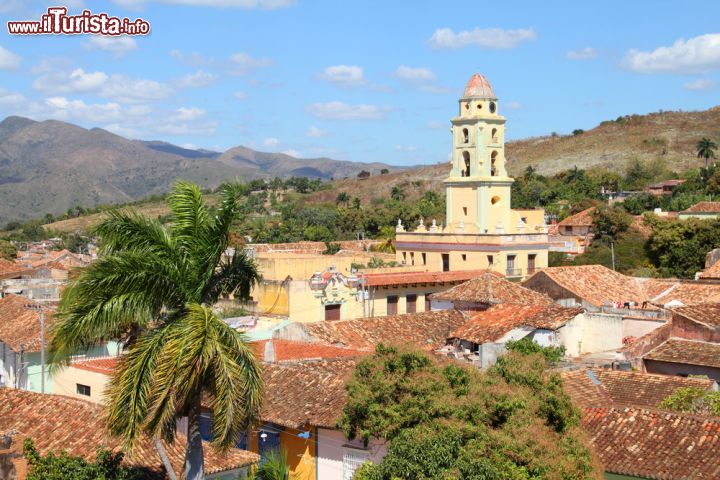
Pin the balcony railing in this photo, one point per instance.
(513, 272)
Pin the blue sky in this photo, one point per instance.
(365, 81)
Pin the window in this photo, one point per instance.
(493, 163)
(411, 303)
(493, 107)
(465, 211)
(352, 460)
(445, 262)
(268, 440)
(495, 200)
(412, 258)
(332, 312)
(424, 258)
(404, 257)
(531, 263)
(511, 265)
(491, 260)
(466, 135)
(464, 257)
(493, 134)
(82, 389)
(392, 305)
(466, 160)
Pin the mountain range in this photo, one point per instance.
(51, 166)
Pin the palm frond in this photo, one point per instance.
(236, 276)
(127, 230)
(190, 215)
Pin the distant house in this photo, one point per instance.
(56, 423)
(482, 292)
(573, 234)
(632, 437)
(702, 210)
(580, 224)
(85, 379)
(666, 187)
(10, 270)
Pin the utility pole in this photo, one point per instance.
(362, 292)
(41, 308)
(612, 254)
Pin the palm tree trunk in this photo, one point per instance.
(194, 458)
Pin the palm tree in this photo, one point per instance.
(706, 149)
(152, 288)
(342, 198)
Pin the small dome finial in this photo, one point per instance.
(478, 86)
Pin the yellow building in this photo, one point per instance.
(481, 231)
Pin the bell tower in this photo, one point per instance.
(478, 188)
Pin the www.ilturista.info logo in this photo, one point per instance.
(57, 22)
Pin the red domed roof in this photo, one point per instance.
(478, 86)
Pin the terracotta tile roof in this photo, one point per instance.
(596, 284)
(580, 219)
(618, 388)
(707, 314)
(652, 444)
(685, 292)
(712, 272)
(404, 278)
(20, 325)
(691, 352)
(704, 207)
(288, 350)
(104, 365)
(305, 392)
(58, 423)
(10, 269)
(492, 288)
(492, 324)
(424, 330)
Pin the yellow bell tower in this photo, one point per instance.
(481, 231)
(478, 188)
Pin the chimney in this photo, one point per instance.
(269, 353)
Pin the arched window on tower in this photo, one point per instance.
(493, 164)
(494, 135)
(466, 161)
(466, 135)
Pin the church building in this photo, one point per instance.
(481, 231)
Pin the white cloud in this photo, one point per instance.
(241, 63)
(10, 99)
(414, 74)
(586, 53)
(700, 84)
(345, 111)
(8, 60)
(314, 132)
(344, 75)
(194, 58)
(196, 80)
(293, 153)
(240, 95)
(696, 55)
(184, 114)
(63, 108)
(118, 46)
(271, 142)
(514, 105)
(116, 87)
(246, 4)
(481, 37)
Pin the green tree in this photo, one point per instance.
(7, 250)
(397, 193)
(610, 221)
(342, 198)
(153, 288)
(384, 171)
(446, 421)
(274, 467)
(706, 149)
(693, 400)
(107, 466)
(527, 346)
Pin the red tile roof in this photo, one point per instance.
(596, 284)
(653, 444)
(423, 330)
(104, 365)
(10, 269)
(690, 352)
(309, 392)
(712, 272)
(57, 423)
(288, 350)
(492, 324)
(618, 388)
(492, 288)
(580, 219)
(20, 325)
(704, 207)
(706, 313)
(406, 278)
(662, 292)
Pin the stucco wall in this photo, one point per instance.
(668, 368)
(65, 383)
(331, 448)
